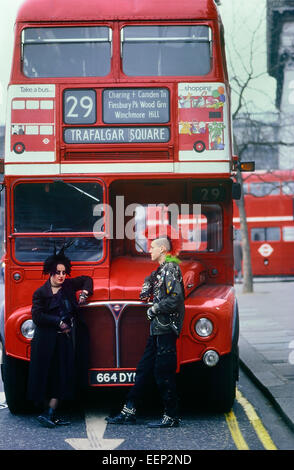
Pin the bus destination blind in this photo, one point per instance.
(120, 106)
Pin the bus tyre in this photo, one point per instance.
(14, 376)
(222, 383)
(19, 147)
(199, 146)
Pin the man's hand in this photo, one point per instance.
(151, 312)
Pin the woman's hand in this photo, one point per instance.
(83, 297)
(64, 327)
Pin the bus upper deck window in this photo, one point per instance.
(166, 50)
(264, 189)
(67, 51)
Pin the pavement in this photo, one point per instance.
(266, 343)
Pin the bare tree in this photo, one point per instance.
(247, 266)
(246, 70)
(242, 79)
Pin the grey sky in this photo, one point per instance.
(241, 19)
(245, 35)
(8, 13)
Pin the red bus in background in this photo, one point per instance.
(115, 108)
(269, 205)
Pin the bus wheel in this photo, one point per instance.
(19, 147)
(199, 146)
(222, 383)
(14, 376)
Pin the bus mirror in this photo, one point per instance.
(1, 165)
(236, 191)
(247, 166)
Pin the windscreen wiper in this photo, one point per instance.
(78, 189)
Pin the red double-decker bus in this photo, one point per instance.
(269, 198)
(99, 99)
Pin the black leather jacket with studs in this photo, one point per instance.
(165, 288)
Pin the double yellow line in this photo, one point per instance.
(255, 421)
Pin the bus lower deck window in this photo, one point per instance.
(262, 234)
(199, 230)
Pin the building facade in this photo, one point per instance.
(280, 47)
(256, 135)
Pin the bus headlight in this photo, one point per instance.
(27, 329)
(210, 358)
(204, 327)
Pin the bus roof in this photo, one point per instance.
(93, 10)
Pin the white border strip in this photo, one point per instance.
(32, 170)
(114, 168)
(135, 167)
(203, 167)
(283, 218)
(30, 157)
(192, 156)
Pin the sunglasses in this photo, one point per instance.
(60, 272)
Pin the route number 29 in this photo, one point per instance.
(79, 106)
(209, 193)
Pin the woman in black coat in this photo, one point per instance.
(59, 349)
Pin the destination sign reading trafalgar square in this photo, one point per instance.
(115, 135)
(136, 105)
(119, 106)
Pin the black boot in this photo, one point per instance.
(126, 416)
(60, 421)
(46, 419)
(166, 422)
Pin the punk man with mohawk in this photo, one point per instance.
(59, 350)
(164, 287)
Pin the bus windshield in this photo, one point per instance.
(166, 50)
(66, 52)
(56, 207)
(199, 229)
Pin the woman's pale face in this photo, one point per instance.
(58, 278)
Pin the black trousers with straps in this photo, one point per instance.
(160, 360)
